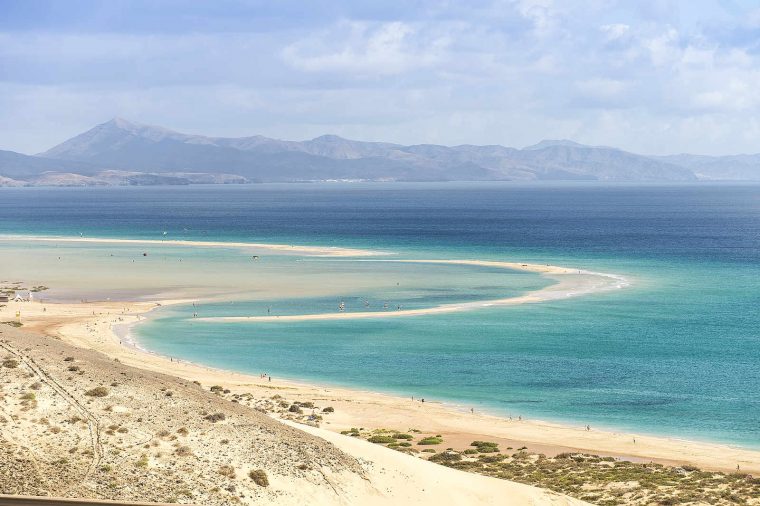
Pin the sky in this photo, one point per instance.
(649, 76)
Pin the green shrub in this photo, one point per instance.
(446, 457)
(485, 446)
(294, 408)
(491, 459)
(403, 436)
(430, 440)
(29, 396)
(328, 409)
(381, 439)
(484, 443)
(10, 363)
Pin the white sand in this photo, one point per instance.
(75, 323)
(283, 248)
(570, 283)
(399, 479)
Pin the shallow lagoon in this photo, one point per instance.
(677, 353)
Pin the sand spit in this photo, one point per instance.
(570, 283)
(319, 251)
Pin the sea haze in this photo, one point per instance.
(676, 353)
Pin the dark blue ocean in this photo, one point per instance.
(676, 353)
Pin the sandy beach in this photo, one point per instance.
(90, 326)
(141, 439)
(103, 329)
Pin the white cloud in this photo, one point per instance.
(615, 31)
(511, 72)
(602, 88)
(360, 48)
(663, 48)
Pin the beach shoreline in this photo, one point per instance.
(104, 326)
(90, 325)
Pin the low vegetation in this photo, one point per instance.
(215, 417)
(485, 446)
(430, 440)
(259, 477)
(381, 439)
(605, 481)
(97, 392)
(227, 471)
(10, 363)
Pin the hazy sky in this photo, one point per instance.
(653, 76)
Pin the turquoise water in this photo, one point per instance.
(676, 353)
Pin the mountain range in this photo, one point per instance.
(120, 152)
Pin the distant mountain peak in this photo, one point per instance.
(547, 143)
(137, 128)
(139, 148)
(328, 138)
(120, 123)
